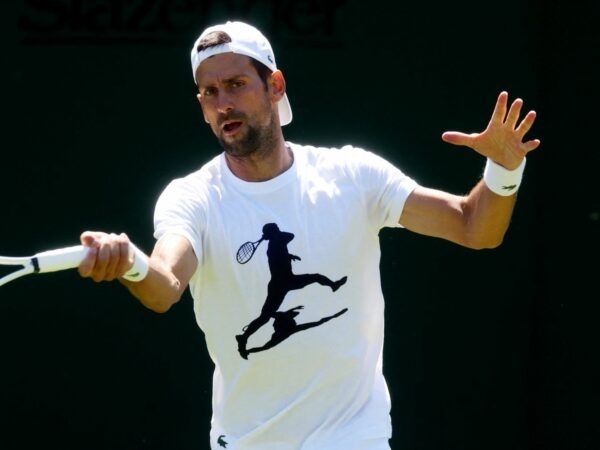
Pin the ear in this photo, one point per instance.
(199, 97)
(278, 84)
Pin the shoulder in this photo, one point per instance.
(345, 155)
(197, 182)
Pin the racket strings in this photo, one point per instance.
(245, 252)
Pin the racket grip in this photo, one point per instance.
(60, 259)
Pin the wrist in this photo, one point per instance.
(502, 181)
(140, 267)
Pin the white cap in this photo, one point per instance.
(245, 40)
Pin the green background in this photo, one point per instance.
(490, 349)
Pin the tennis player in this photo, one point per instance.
(317, 387)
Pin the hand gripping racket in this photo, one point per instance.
(48, 261)
(246, 250)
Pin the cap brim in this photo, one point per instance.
(285, 111)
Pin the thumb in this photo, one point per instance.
(89, 238)
(458, 138)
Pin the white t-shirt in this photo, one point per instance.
(313, 377)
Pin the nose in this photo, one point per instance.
(224, 102)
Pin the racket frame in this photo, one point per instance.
(43, 262)
(238, 255)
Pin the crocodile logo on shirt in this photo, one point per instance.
(283, 280)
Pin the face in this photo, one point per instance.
(236, 103)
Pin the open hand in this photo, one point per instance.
(502, 140)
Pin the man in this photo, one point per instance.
(307, 372)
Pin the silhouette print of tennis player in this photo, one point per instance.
(285, 325)
(282, 281)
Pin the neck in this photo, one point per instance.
(263, 164)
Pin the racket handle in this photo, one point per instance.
(60, 259)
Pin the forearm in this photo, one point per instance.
(490, 205)
(159, 290)
(169, 270)
(486, 217)
(477, 220)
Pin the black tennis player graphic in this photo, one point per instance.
(283, 280)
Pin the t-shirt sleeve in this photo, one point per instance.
(386, 187)
(179, 211)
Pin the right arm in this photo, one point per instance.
(171, 266)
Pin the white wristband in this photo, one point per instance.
(503, 181)
(140, 267)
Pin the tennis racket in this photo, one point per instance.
(48, 261)
(246, 251)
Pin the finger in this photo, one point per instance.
(514, 113)
(531, 145)
(500, 109)
(526, 124)
(118, 257)
(101, 263)
(124, 261)
(106, 259)
(89, 238)
(87, 265)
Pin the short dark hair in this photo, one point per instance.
(220, 37)
(213, 39)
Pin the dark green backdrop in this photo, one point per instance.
(491, 349)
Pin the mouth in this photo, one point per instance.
(230, 128)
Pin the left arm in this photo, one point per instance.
(481, 218)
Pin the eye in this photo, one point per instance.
(208, 91)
